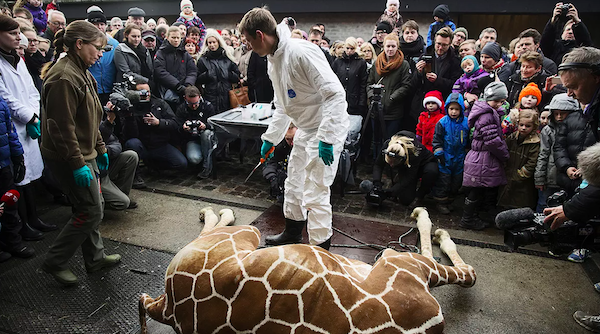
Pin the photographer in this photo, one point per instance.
(275, 170)
(117, 181)
(148, 128)
(198, 134)
(563, 32)
(409, 161)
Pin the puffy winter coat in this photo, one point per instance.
(452, 139)
(173, 67)
(435, 27)
(9, 140)
(467, 83)
(352, 72)
(516, 84)
(185, 113)
(104, 70)
(584, 205)
(396, 86)
(484, 162)
(555, 48)
(520, 190)
(40, 19)
(545, 170)
(396, 21)
(151, 136)
(195, 22)
(576, 133)
(127, 62)
(216, 73)
(426, 127)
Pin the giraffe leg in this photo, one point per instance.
(153, 307)
(424, 225)
(227, 217)
(462, 273)
(448, 246)
(210, 219)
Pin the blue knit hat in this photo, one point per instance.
(474, 60)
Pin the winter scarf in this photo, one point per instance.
(218, 53)
(383, 66)
(12, 57)
(414, 48)
(188, 17)
(140, 51)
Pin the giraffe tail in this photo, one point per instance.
(153, 307)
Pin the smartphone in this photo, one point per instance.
(556, 80)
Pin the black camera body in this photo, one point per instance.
(194, 127)
(564, 10)
(427, 58)
(375, 197)
(569, 236)
(377, 91)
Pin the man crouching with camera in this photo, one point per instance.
(198, 135)
(582, 207)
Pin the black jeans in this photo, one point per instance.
(164, 157)
(11, 224)
(407, 191)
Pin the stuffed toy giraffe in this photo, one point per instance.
(220, 283)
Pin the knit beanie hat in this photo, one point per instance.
(185, 3)
(493, 50)
(94, 8)
(531, 89)
(397, 2)
(463, 30)
(474, 60)
(384, 26)
(24, 41)
(434, 96)
(151, 21)
(442, 11)
(495, 91)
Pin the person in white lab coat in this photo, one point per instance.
(23, 99)
(308, 93)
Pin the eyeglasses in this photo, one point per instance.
(101, 48)
(442, 45)
(34, 42)
(192, 104)
(60, 24)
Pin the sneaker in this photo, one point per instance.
(579, 255)
(108, 261)
(64, 277)
(589, 322)
(597, 287)
(138, 182)
(132, 204)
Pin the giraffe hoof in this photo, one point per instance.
(227, 215)
(417, 211)
(204, 211)
(440, 235)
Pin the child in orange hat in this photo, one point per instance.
(529, 98)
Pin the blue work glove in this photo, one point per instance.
(326, 152)
(33, 130)
(266, 146)
(83, 176)
(102, 161)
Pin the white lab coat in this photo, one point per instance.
(18, 89)
(308, 93)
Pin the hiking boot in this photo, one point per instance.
(579, 255)
(292, 234)
(64, 277)
(589, 322)
(470, 220)
(138, 182)
(442, 208)
(4, 256)
(326, 244)
(108, 261)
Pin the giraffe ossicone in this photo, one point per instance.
(221, 283)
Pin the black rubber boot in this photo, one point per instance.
(470, 220)
(29, 233)
(326, 244)
(38, 224)
(291, 235)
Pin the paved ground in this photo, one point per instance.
(515, 293)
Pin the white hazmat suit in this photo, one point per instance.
(308, 93)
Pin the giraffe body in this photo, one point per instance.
(220, 283)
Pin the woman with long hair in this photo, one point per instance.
(352, 72)
(132, 58)
(74, 149)
(217, 71)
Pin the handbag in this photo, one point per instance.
(238, 95)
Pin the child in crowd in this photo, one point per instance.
(467, 83)
(544, 118)
(434, 106)
(191, 19)
(450, 144)
(483, 171)
(523, 147)
(35, 7)
(391, 14)
(545, 171)
(441, 16)
(529, 98)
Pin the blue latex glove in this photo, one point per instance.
(33, 130)
(102, 161)
(83, 176)
(326, 153)
(266, 146)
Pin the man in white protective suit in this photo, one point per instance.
(308, 93)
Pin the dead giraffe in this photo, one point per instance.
(220, 283)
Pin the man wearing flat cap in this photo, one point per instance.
(149, 41)
(135, 15)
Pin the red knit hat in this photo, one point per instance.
(531, 89)
(434, 96)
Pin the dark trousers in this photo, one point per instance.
(406, 192)
(380, 135)
(26, 205)
(487, 197)
(11, 224)
(447, 185)
(163, 157)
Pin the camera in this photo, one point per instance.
(564, 10)
(427, 58)
(194, 125)
(377, 91)
(569, 236)
(375, 197)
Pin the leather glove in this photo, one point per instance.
(326, 152)
(180, 90)
(274, 191)
(33, 129)
(102, 161)
(18, 168)
(83, 176)
(441, 157)
(266, 146)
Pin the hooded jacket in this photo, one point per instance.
(484, 162)
(9, 140)
(173, 67)
(426, 126)
(216, 73)
(185, 113)
(443, 12)
(352, 72)
(545, 170)
(104, 70)
(40, 19)
(451, 138)
(467, 83)
(128, 62)
(520, 190)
